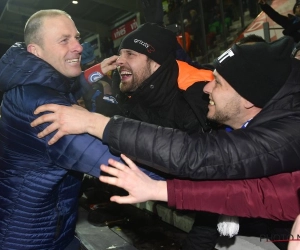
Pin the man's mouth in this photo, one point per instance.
(125, 74)
(72, 60)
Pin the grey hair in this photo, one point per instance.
(33, 27)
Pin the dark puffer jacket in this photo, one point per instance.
(269, 145)
(160, 99)
(39, 184)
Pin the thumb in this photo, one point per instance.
(123, 199)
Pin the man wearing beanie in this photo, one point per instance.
(243, 86)
(156, 88)
(254, 83)
(290, 23)
(257, 72)
(264, 142)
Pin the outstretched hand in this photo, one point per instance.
(139, 186)
(65, 119)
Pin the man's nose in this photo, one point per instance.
(77, 46)
(208, 87)
(120, 60)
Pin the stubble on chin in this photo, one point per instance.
(128, 87)
(218, 118)
(122, 87)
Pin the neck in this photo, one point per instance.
(241, 120)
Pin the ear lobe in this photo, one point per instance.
(32, 48)
(248, 105)
(154, 66)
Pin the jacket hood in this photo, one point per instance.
(287, 99)
(18, 67)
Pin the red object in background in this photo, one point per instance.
(124, 29)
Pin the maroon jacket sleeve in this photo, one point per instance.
(274, 197)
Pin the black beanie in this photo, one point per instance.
(257, 71)
(151, 40)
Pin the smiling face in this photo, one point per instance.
(225, 105)
(134, 68)
(60, 45)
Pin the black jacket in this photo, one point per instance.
(290, 23)
(160, 101)
(269, 145)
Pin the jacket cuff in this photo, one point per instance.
(105, 138)
(171, 193)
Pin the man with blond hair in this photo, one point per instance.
(39, 185)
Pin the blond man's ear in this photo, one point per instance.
(34, 49)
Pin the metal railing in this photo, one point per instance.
(266, 28)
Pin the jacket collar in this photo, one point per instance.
(18, 67)
(160, 87)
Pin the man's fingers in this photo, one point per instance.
(108, 67)
(129, 162)
(51, 128)
(110, 59)
(123, 199)
(108, 179)
(56, 137)
(46, 107)
(42, 119)
(110, 170)
(118, 165)
(109, 64)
